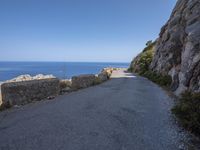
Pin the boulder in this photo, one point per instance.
(83, 81)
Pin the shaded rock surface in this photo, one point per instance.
(178, 47)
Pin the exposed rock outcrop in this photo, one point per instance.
(178, 47)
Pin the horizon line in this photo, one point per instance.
(63, 61)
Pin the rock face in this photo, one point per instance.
(178, 47)
(83, 81)
(22, 92)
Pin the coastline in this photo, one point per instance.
(63, 70)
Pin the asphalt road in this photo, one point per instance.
(124, 113)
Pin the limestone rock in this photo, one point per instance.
(178, 47)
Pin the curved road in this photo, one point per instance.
(125, 113)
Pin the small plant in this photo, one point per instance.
(188, 111)
(142, 62)
(145, 61)
(149, 43)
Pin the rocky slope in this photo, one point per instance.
(178, 47)
(177, 50)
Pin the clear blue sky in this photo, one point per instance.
(79, 30)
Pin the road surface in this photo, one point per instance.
(124, 113)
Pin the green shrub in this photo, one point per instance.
(140, 64)
(188, 111)
(149, 46)
(144, 61)
(163, 80)
(130, 69)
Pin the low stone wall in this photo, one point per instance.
(25, 89)
(22, 92)
(105, 74)
(0, 98)
(65, 86)
(83, 81)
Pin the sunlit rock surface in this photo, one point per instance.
(178, 47)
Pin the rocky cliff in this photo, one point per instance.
(178, 47)
(177, 50)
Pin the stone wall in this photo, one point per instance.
(0, 97)
(83, 81)
(22, 92)
(65, 86)
(25, 88)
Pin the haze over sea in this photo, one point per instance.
(9, 70)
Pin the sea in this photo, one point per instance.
(62, 70)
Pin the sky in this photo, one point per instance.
(79, 30)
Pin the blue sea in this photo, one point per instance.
(63, 70)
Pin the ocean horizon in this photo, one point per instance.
(62, 70)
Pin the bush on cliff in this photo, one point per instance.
(142, 62)
(141, 65)
(163, 80)
(188, 111)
